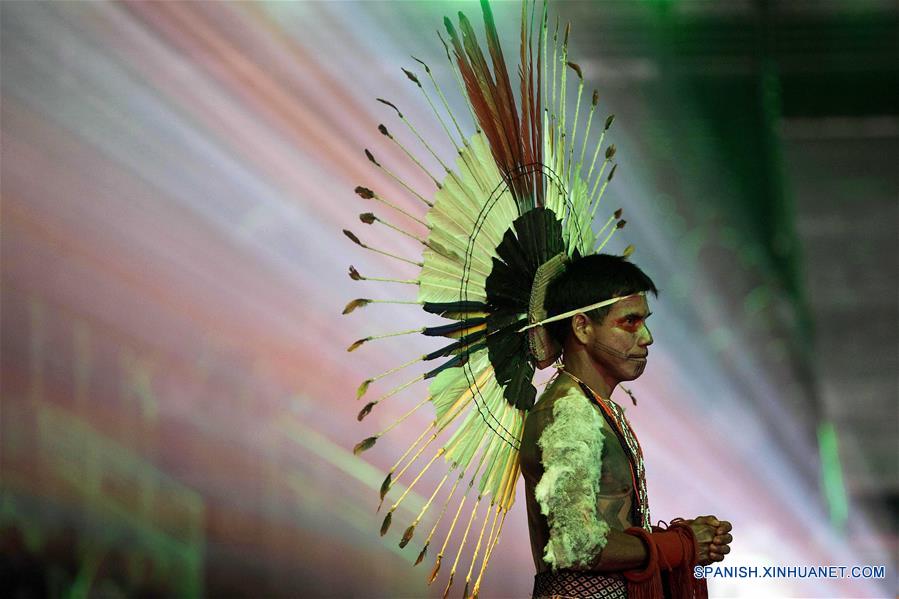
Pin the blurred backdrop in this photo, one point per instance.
(178, 409)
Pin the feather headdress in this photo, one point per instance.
(502, 223)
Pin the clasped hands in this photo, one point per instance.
(713, 538)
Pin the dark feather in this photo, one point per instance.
(460, 345)
(364, 192)
(412, 77)
(365, 411)
(456, 361)
(508, 351)
(364, 445)
(423, 64)
(448, 330)
(392, 105)
(352, 236)
(509, 251)
(507, 288)
(577, 69)
(356, 344)
(421, 555)
(407, 536)
(371, 157)
(356, 303)
(455, 308)
(385, 486)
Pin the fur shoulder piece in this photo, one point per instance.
(567, 491)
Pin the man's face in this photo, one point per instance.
(619, 345)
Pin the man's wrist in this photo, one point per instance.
(674, 547)
(669, 548)
(651, 563)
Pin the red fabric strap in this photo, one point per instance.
(674, 547)
(674, 550)
(646, 583)
(652, 564)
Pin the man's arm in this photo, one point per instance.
(622, 552)
(571, 454)
(627, 552)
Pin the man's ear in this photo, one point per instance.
(581, 328)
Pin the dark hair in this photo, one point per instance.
(588, 280)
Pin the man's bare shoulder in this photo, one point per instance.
(559, 387)
(541, 415)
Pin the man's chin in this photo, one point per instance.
(636, 371)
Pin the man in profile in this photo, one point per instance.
(588, 513)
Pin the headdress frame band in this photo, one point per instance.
(571, 313)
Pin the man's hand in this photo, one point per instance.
(713, 538)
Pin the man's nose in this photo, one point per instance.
(645, 337)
